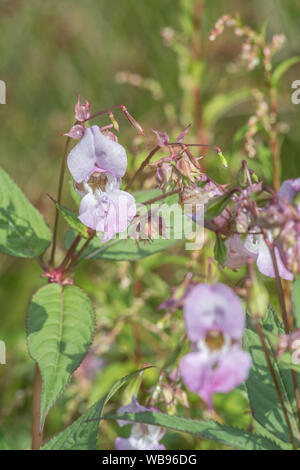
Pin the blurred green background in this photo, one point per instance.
(50, 51)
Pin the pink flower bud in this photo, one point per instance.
(82, 110)
(76, 132)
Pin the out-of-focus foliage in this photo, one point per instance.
(50, 51)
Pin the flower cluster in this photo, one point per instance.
(215, 324)
(97, 164)
(254, 48)
(277, 222)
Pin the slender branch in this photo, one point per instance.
(213, 147)
(163, 196)
(106, 111)
(143, 165)
(77, 256)
(274, 139)
(59, 194)
(277, 386)
(69, 253)
(37, 434)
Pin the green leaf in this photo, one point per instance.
(222, 103)
(220, 251)
(238, 137)
(82, 434)
(60, 326)
(23, 231)
(282, 68)
(216, 205)
(230, 436)
(296, 301)
(71, 218)
(262, 394)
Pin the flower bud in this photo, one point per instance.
(258, 300)
(82, 110)
(76, 132)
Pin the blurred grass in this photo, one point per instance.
(50, 51)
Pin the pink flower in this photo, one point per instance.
(254, 247)
(96, 153)
(215, 324)
(143, 436)
(289, 189)
(97, 163)
(213, 307)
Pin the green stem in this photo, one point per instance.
(70, 253)
(77, 256)
(58, 199)
(143, 165)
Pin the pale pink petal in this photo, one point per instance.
(123, 444)
(213, 307)
(238, 252)
(194, 370)
(232, 370)
(91, 212)
(206, 377)
(81, 159)
(265, 263)
(133, 407)
(110, 156)
(289, 189)
(122, 209)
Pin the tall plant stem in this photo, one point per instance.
(277, 386)
(284, 315)
(59, 194)
(274, 139)
(37, 434)
(196, 57)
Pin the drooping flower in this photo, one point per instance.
(97, 164)
(215, 325)
(143, 436)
